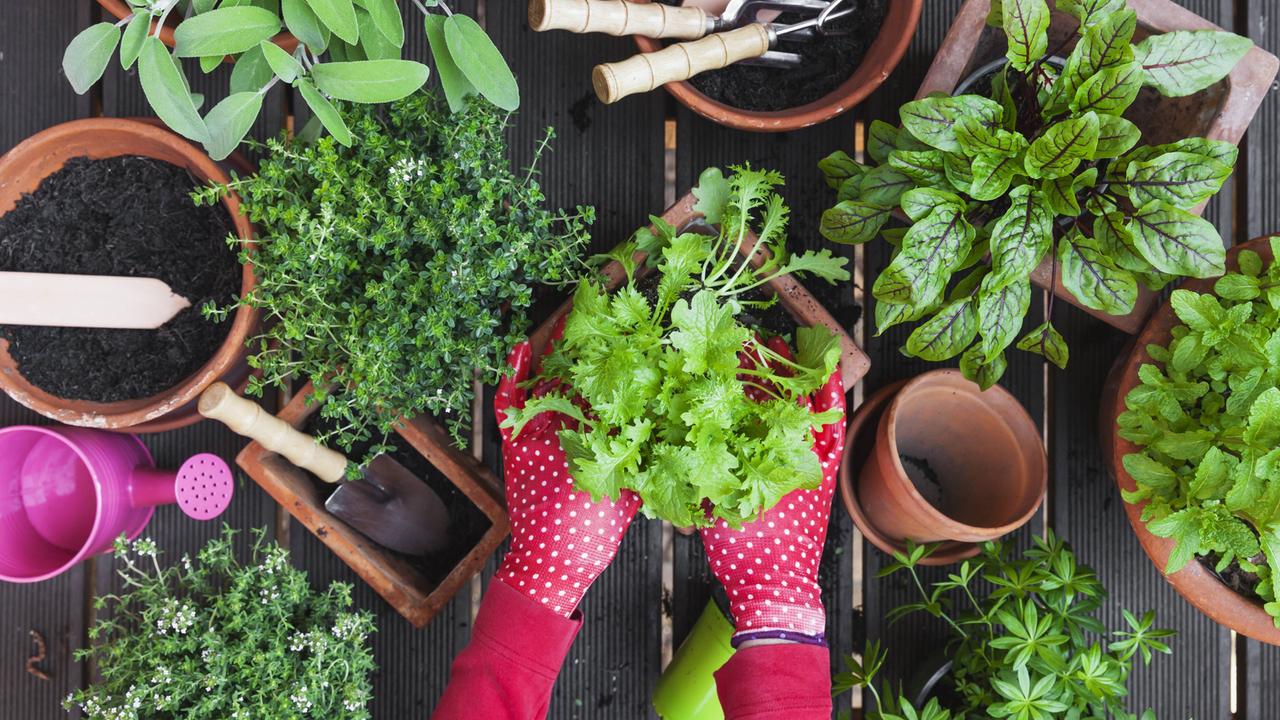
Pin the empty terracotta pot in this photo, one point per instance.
(952, 462)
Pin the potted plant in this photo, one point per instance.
(1195, 413)
(690, 405)
(935, 458)
(1025, 641)
(360, 43)
(1035, 173)
(215, 636)
(836, 73)
(97, 196)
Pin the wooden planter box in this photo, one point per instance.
(403, 586)
(799, 302)
(1221, 112)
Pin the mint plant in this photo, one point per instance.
(392, 273)
(1207, 419)
(1042, 164)
(347, 50)
(216, 637)
(665, 365)
(1025, 639)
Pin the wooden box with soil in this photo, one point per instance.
(1220, 112)
(420, 587)
(112, 197)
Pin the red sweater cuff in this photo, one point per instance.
(791, 681)
(520, 630)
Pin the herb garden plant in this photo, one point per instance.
(664, 364)
(1026, 643)
(1041, 164)
(214, 637)
(1207, 419)
(392, 272)
(347, 50)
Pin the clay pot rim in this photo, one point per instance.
(124, 414)
(120, 10)
(1196, 583)
(866, 419)
(901, 20)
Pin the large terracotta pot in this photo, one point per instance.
(1221, 112)
(22, 170)
(1195, 582)
(899, 27)
(120, 9)
(983, 456)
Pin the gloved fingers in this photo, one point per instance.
(829, 439)
(510, 391)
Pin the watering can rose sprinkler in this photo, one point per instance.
(66, 494)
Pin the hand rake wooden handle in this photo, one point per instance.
(617, 17)
(247, 418)
(644, 72)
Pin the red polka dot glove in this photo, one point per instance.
(769, 568)
(560, 540)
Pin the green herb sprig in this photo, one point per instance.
(661, 370)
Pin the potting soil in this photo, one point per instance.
(123, 216)
(827, 62)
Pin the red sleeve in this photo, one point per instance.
(510, 667)
(776, 682)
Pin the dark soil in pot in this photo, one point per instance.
(828, 62)
(1241, 581)
(467, 524)
(126, 216)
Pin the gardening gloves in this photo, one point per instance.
(560, 539)
(769, 567)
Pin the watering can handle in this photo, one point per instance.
(644, 72)
(617, 17)
(247, 418)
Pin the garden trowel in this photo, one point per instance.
(87, 301)
(389, 504)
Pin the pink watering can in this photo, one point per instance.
(66, 494)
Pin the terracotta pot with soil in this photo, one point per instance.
(416, 587)
(938, 460)
(120, 10)
(1221, 112)
(1196, 582)
(837, 72)
(110, 197)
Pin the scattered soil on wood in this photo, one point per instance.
(827, 62)
(125, 216)
(925, 478)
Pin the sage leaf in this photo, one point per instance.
(375, 45)
(225, 31)
(852, 222)
(884, 185)
(370, 81)
(1181, 179)
(838, 167)
(285, 66)
(1116, 136)
(387, 19)
(1093, 278)
(1062, 148)
(327, 113)
(1026, 26)
(86, 57)
(1111, 91)
(339, 16)
(1175, 241)
(1047, 342)
(303, 23)
(134, 35)
(1185, 62)
(992, 176)
(918, 203)
(1022, 236)
(456, 85)
(251, 72)
(932, 120)
(166, 91)
(1000, 313)
(230, 120)
(481, 62)
(946, 334)
(980, 371)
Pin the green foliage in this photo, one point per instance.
(360, 41)
(1043, 166)
(1207, 417)
(660, 363)
(217, 637)
(1026, 640)
(393, 271)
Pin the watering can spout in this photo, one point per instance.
(202, 488)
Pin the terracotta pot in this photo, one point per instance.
(120, 9)
(1221, 112)
(900, 21)
(22, 170)
(1195, 582)
(798, 302)
(985, 451)
(404, 588)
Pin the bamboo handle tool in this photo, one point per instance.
(618, 17)
(87, 301)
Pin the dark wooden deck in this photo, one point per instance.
(630, 161)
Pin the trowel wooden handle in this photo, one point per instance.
(247, 418)
(642, 73)
(617, 17)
